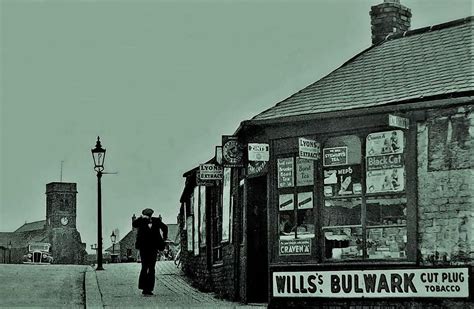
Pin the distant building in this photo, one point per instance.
(59, 230)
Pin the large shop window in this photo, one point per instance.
(295, 198)
(358, 192)
(370, 222)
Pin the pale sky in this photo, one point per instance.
(160, 82)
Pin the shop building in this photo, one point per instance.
(366, 198)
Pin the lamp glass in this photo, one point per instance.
(98, 154)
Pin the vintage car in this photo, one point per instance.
(38, 253)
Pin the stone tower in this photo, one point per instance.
(66, 244)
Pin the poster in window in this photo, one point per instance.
(202, 208)
(226, 204)
(285, 172)
(304, 172)
(305, 200)
(189, 223)
(196, 221)
(286, 202)
(392, 180)
(342, 180)
(387, 142)
(335, 156)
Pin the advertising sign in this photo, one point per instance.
(285, 172)
(189, 223)
(202, 182)
(385, 162)
(387, 283)
(286, 202)
(335, 156)
(196, 219)
(304, 172)
(210, 172)
(308, 149)
(398, 122)
(295, 247)
(202, 212)
(305, 200)
(256, 168)
(226, 204)
(258, 152)
(386, 180)
(386, 142)
(232, 152)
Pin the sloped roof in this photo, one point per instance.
(37, 225)
(22, 239)
(418, 64)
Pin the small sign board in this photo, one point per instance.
(203, 182)
(232, 152)
(335, 156)
(285, 172)
(210, 172)
(295, 247)
(398, 122)
(258, 152)
(308, 149)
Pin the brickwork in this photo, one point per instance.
(445, 185)
(389, 17)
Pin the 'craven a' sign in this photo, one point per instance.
(429, 282)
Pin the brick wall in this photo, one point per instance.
(445, 185)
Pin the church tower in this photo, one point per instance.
(66, 244)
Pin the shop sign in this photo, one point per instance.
(189, 224)
(285, 172)
(392, 180)
(210, 172)
(232, 152)
(384, 162)
(304, 172)
(308, 149)
(203, 182)
(398, 122)
(295, 247)
(335, 156)
(386, 142)
(258, 152)
(387, 283)
(256, 168)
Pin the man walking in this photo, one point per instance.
(149, 241)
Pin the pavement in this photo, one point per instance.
(117, 287)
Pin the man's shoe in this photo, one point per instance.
(147, 293)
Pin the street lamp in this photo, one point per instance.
(98, 154)
(10, 252)
(113, 239)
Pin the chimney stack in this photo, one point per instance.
(387, 18)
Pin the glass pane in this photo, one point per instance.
(285, 172)
(287, 224)
(304, 172)
(339, 212)
(305, 215)
(386, 242)
(343, 243)
(386, 210)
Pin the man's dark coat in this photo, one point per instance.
(150, 238)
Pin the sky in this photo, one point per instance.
(160, 82)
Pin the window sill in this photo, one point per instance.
(218, 264)
(345, 264)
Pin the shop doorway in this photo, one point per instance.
(257, 267)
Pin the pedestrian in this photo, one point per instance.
(149, 241)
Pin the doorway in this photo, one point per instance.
(257, 250)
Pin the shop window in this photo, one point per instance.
(370, 224)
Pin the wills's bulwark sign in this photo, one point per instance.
(429, 282)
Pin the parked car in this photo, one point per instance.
(38, 253)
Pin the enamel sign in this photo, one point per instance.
(387, 283)
(258, 152)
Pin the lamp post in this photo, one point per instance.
(10, 252)
(98, 154)
(113, 239)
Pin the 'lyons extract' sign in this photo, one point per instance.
(308, 149)
(429, 282)
(210, 172)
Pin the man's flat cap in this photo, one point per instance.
(147, 212)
